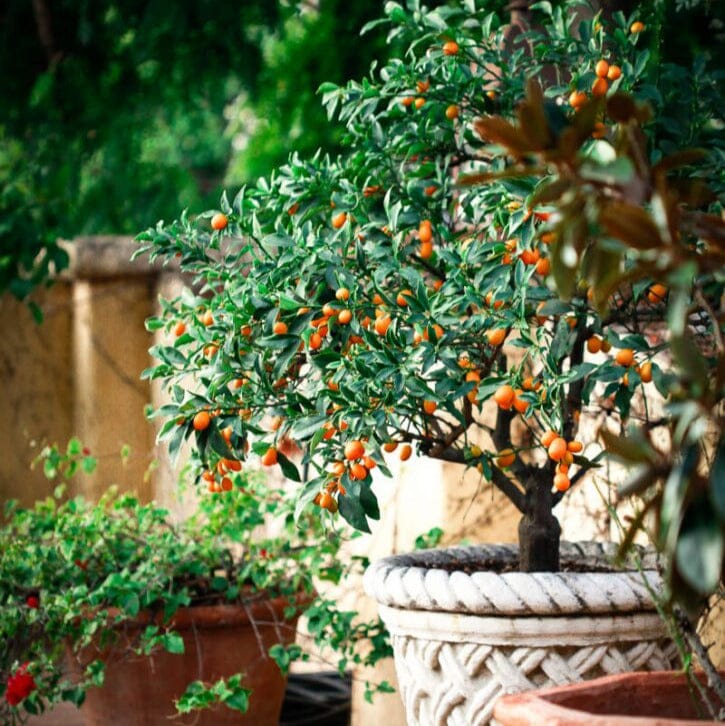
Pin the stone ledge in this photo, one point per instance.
(108, 256)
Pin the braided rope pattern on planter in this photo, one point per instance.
(456, 684)
(424, 581)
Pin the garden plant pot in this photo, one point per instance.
(628, 699)
(219, 641)
(466, 626)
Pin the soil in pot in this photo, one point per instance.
(219, 640)
(628, 699)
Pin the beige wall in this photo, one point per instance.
(78, 373)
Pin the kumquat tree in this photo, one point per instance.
(496, 256)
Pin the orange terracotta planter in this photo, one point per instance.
(628, 699)
(219, 641)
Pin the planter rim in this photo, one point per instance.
(428, 580)
(596, 630)
(221, 615)
(548, 703)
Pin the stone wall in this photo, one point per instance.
(78, 373)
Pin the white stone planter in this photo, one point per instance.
(464, 632)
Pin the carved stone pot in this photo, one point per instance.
(466, 626)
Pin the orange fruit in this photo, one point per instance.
(561, 482)
(496, 336)
(419, 102)
(557, 449)
(219, 221)
(279, 328)
(594, 344)
(625, 357)
(600, 87)
(402, 298)
(425, 231)
(269, 458)
(645, 372)
(601, 68)
(520, 404)
(315, 341)
(326, 500)
(358, 471)
(606, 346)
(342, 294)
(504, 396)
(450, 48)
(246, 330)
(529, 257)
(543, 266)
(425, 251)
(430, 190)
(405, 452)
(382, 324)
(599, 131)
(337, 468)
(528, 383)
(422, 86)
(473, 376)
(207, 319)
(354, 450)
(369, 462)
(226, 484)
(429, 407)
(201, 421)
(344, 317)
(614, 73)
(577, 99)
(656, 294)
(339, 220)
(575, 446)
(505, 458)
(390, 446)
(180, 328)
(452, 112)
(636, 27)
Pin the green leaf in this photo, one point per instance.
(288, 468)
(717, 482)
(173, 643)
(699, 551)
(353, 512)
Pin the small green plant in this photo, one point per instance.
(73, 572)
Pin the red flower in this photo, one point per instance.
(32, 601)
(20, 685)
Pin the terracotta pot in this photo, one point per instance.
(628, 699)
(219, 641)
(466, 626)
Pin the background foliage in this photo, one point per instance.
(115, 114)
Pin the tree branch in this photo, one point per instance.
(45, 30)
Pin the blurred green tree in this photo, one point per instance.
(113, 114)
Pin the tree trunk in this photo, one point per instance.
(539, 529)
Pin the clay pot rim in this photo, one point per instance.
(262, 608)
(516, 709)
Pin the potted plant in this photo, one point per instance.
(116, 607)
(461, 282)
